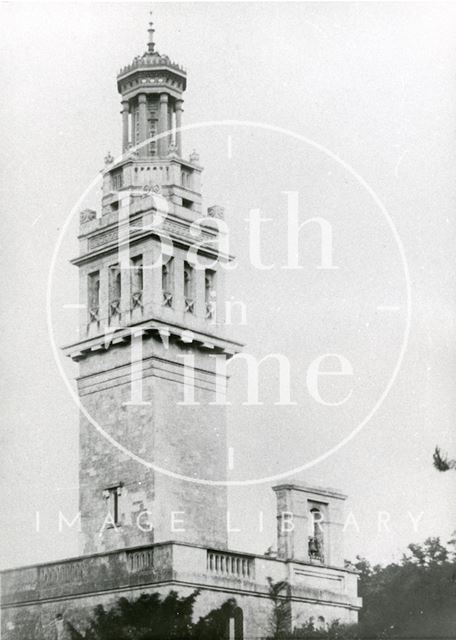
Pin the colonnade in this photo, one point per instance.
(167, 109)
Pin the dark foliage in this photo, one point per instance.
(149, 617)
(280, 620)
(333, 631)
(414, 598)
(214, 625)
(154, 617)
(441, 462)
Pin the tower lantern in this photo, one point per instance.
(151, 88)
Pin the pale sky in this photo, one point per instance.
(373, 83)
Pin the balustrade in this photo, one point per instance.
(167, 299)
(136, 300)
(189, 305)
(114, 308)
(231, 565)
(94, 314)
(210, 310)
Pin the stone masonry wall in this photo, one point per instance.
(186, 440)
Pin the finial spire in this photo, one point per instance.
(151, 31)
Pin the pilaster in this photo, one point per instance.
(179, 110)
(125, 119)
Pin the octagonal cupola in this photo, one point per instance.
(151, 88)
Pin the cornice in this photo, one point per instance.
(148, 328)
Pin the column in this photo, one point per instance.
(179, 110)
(163, 143)
(142, 101)
(125, 114)
(170, 122)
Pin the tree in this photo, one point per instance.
(441, 462)
(334, 631)
(414, 597)
(154, 617)
(280, 621)
(149, 617)
(215, 626)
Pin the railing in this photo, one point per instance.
(114, 308)
(63, 573)
(94, 314)
(136, 300)
(189, 305)
(210, 310)
(228, 564)
(140, 560)
(167, 299)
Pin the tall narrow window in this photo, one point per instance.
(189, 288)
(168, 282)
(117, 180)
(112, 496)
(316, 541)
(186, 178)
(210, 293)
(136, 282)
(114, 291)
(152, 119)
(93, 287)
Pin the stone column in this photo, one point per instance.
(125, 114)
(142, 114)
(179, 110)
(163, 143)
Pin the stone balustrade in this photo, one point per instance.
(171, 561)
(74, 587)
(230, 565)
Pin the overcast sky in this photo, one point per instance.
(372, 83)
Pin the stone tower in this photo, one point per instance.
(152, 312)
